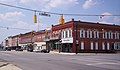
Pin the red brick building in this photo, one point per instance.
(39, 42)
(79, 36)
(73, 36)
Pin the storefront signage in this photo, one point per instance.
(67, 40)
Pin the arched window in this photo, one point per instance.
(91, 34)
(82, 33)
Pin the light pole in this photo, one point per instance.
(17, 41)
(76, 37)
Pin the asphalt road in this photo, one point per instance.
(43, 61)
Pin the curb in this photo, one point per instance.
(8, 66)
(4, 64)
(61, 53)
(81, 54)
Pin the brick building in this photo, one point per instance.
(39, 42)
(73, 36)
(79, 36)
(26, 39)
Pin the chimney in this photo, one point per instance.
(72, 19)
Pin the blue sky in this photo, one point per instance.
(16, 18)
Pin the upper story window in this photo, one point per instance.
(110, 35)
(106, 35)
(88, 33)
(117, 35)
(82, 33)
(66, 33)
(70, 33)
(96, 34)
(103, 35)
(63, 34)
(91, 34)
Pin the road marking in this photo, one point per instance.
(100, 63)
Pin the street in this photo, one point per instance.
(48, 61)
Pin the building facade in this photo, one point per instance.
(74, 37)
(79, 36)
(39, 43)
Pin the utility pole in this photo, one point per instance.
(17, 40)
(76, 37)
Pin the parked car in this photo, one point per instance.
(30, 49)
(44, 51)
(8, 49)
(19, 49)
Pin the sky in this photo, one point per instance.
(17, 18)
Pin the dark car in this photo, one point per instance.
(29, 49)
(8, 49)
(44, 51)
(19, 49)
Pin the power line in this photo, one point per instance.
(13, 28)
(16, 7)
(23, 8)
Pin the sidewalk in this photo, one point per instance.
(8, 66)
(83, 54)
(63, 53)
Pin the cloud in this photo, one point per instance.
(105, 19)
(116, 20)
(109, 19)
(106, 13)
(27, 1)
(11, 16)
(60, 3)
(57, 3)
(24, 25)
(9, 1)
(89, 4)
(49, 4)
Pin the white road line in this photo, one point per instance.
(101, 63)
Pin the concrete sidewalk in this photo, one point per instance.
(84, 54)
(8, 66)
(63, 53)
